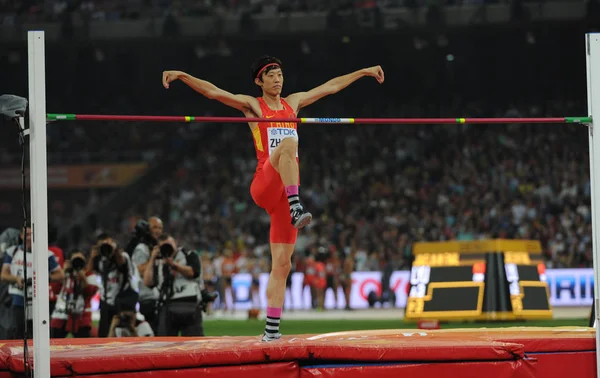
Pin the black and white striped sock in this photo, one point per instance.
(294, 201)
(272, 326)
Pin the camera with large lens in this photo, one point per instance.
(77, 263)
(207, 298)
(166, 251)
(106, 250)
(143, 234)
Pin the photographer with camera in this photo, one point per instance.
(8, 238)
(55, 287)
(73, 310)
(130, 324)
(175, 272)
(13, 272)
(118, 290)
(145, 238)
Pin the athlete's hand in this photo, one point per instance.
(376, 72)
(20, 283)
(169, 77)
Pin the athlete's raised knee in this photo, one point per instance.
(285, 151)
(288, 147)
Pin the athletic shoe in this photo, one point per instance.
(266, 338)
(300, 219)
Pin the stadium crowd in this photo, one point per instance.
(112, 10)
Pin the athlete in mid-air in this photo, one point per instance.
(275, 184)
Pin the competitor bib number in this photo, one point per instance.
(277, 134)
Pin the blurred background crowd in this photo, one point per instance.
(112, 10)
(374, 189)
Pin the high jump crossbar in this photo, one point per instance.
(414, 121)
(39, 187)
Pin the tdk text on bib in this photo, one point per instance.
(277, 134)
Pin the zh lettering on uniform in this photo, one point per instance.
(279, 131)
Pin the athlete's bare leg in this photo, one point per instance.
(280, 268)
(283, 160)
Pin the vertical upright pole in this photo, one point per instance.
(39, 202)
(592, 43)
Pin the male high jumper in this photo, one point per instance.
(275, 184)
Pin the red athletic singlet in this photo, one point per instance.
(267, 188)
(268, 135)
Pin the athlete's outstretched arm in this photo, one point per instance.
(301, 99)
(211, 91)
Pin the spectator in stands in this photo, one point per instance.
(320, 283)
(346, 277)
(228, 269)
(217, 263)
(256, 268)
(310, 280)
(333, 269)
(209, 276)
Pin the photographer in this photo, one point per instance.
(8, 238)
(146, 235)
(55, 287)
(13, 273)
(176, 274)
(130, 324)
(118, 291)
(73, 310)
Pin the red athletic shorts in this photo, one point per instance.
(268, 192)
